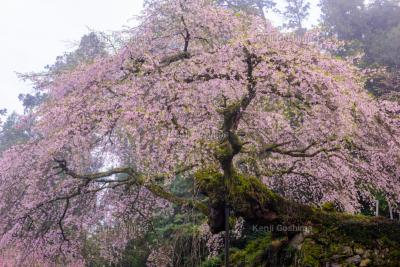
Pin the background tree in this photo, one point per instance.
(12, 133)
(3, 112)
(371, 28)
(31, 101)
(344, 18)
(296, 12)
(90, 47)
(257, 7)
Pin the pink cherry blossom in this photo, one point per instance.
(110, 129)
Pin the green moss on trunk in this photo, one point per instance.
(303, 235)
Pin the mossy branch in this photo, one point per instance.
(250, 199)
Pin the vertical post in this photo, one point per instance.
(390, 210)
(226, 234)
(377, 208)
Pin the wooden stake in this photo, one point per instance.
(227, 211)
(390, 211)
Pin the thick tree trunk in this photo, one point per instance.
(259, 206)
(301, 235)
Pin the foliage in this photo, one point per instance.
(373, 27)
(31, 101)
(256, 7)
(90, 47)
(295, 13)
(12, 133)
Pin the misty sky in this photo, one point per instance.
(35, 32)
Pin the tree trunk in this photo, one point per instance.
(301, 235)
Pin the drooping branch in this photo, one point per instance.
(186, 35)
(133, 178)
(60, 221)
(62, 164)
(174, 58)
(301, 153)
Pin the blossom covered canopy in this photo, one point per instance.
(160, 105)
